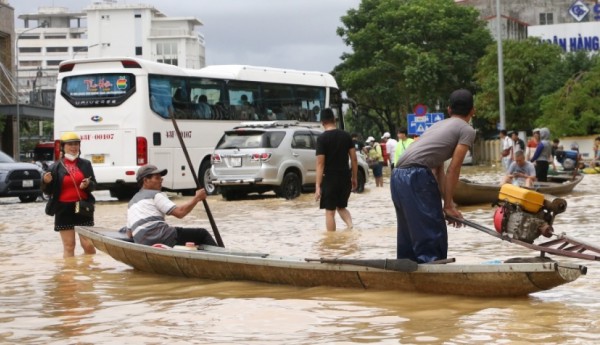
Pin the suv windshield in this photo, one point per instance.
(250, 139)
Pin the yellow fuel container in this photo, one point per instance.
(529, 200)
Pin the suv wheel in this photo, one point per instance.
(204, 177)
(28, 198)
(291, 186)
(361, 181)
(231, 194)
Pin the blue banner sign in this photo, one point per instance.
(418, 124)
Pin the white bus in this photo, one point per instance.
(121, 108)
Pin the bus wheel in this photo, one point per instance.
(291, 186)
(205, 177)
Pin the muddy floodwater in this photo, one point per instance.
(45, 299)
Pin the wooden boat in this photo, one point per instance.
(473, 193)
(215, 263)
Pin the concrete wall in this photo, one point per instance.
(487, 152)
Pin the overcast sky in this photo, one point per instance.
(296, 34)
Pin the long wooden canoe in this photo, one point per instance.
(492, 280)
(473, 193)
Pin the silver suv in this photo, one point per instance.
(273, 155)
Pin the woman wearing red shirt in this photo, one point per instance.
(68, 180)
(533, 143)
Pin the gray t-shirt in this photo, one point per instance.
(528, 169)
(437, 143)
(146, 218)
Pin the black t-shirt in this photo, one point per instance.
(521, 144)
(358, 145)
(335, 144)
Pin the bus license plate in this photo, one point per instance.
(27, 183)
(98, 159)
(236, 161)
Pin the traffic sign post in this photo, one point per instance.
(420, 109)
(419, 124)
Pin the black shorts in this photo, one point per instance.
(335, 192)
(66, 219)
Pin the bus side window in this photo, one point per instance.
(221, 113)
(291, 111)
(201, 108)
(182, 104)
(160, 106)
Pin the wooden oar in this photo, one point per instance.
(191, 166)
(401, 265)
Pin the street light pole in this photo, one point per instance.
(500, 67)
(75, 52)
(17, 125)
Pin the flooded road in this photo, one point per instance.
(97, 300)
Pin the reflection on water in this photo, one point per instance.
(96, 300)
(70, 297)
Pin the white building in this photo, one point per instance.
(48, 37)
(54, 34)
(142, 31)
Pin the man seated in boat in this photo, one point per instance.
(521, 171)
(147, 209)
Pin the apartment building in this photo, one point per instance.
(7, 32)
(107, 28)
(574, 25)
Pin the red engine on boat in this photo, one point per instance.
(512, 219)
(498, 216)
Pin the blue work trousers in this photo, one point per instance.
(422, 231)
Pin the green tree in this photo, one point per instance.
(527, 75)
(407, 52)
(574, 109)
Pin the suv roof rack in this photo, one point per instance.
(269, 124)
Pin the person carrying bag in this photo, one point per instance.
(375, 161)
(69, 183)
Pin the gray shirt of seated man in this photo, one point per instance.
(520, 171)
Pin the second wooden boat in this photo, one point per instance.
(473, 193)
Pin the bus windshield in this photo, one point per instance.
(98, 90)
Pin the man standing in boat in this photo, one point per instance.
(147, 209)
(419, 183)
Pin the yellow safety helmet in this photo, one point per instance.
(69, 137)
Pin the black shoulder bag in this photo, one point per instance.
(82, 207)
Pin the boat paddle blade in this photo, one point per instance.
(400, 265)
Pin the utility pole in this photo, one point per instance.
(500, 67)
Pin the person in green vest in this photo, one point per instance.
(403, 142)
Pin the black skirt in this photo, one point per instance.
(66, 218)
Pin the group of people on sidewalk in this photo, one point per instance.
(378, 157)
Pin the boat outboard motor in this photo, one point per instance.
(524, 214)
